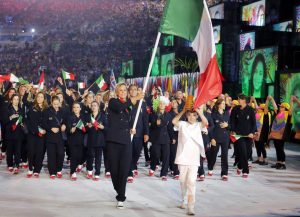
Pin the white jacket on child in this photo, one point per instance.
(190, 144)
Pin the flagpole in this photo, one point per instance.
(146, 81)
(92, 84)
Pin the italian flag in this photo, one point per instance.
(68, 75)
(81, 85)
(94, 122)
(101, 83)
(80, 125)
(18, 122)
(41, 81)
(40, 131)
(11, 78)
(190, 19)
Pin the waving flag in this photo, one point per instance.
(11, 78)
(101, 83)
(41, 81)
(68, 75)
(190, 20)
(81, 85)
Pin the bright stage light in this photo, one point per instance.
(32, 30)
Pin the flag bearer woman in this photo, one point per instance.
(119, 147)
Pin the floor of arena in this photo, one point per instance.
(267, 192)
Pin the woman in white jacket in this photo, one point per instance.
(190, 147)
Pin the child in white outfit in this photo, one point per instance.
(190, 147)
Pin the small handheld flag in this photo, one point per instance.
(40, 131)
(18, 122)
(80, 125)
(68, 75)
(101, 83)
(81, 85)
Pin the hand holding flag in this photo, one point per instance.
(18, 122)
(80, 126)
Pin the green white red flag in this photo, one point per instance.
(80, 125)
(68, 75)
(101, 83)
(190, 19)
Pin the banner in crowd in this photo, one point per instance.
(257, 68)
(187, 82)
(290, 86)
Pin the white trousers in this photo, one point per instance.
(188, 178)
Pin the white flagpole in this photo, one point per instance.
(146, 81)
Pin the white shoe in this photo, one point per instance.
(191, 211)
(120, 205)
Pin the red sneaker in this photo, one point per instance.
(225, 178)
(16, 170)
(238, 171)
(130, 179)
(210, 173)
(151, 173)
(176, 177)
(59, 175)
(89, 175)
(107, 175)
(10, 169)
(164, 178)
(245, 175)
(29, 174)
(36, 175)
(96, 178)
(25, 166)
(52, 177)
(73, 177)
(201, 178)
(135, 173)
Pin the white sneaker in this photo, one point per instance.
(191, 211)
(120, 205)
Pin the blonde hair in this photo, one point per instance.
(118, 86)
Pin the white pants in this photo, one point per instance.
(188, 178)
